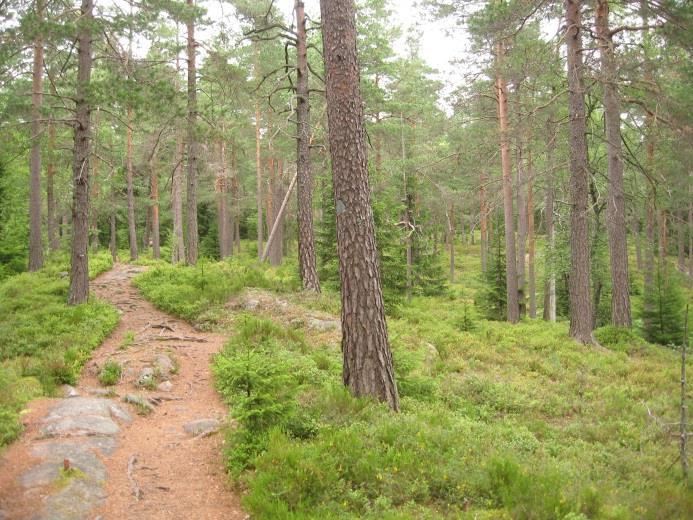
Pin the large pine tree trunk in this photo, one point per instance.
(580, 303)
(616, 203)
(35, 242)
(191, 251)
(483, 219)
(79, 265)
(178, 248)
(235, 195)
(258, 155)
(367, 369)
(132, 223)
(510, 251)
(221, 188)
(521, 219)
(531, 244)
(95, 170)
(550, 269)
(154, 201)
(52, 225)
(304, 189)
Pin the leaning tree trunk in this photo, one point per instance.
(79, 266)
(579, 288)
(616, 203)
(304, 189)
(191, 252)
(35, 242)
(510, 251)
(367, 369)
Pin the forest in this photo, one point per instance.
(346, 259)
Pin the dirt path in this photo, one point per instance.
(117, 452)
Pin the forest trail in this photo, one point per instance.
(165, 464)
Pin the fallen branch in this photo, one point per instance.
(136, 491)
(181, 338)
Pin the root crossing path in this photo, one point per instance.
(144, 448)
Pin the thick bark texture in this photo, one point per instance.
(178, 248)
(35, 242)
(51, 222)
(129, 177)
(616, 203)
(221, 188)
(191, 252)
(510, 251)
(367, 369)
(579, 281)
(304, 190)
(79, 265)
(550, 270)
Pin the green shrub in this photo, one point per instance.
(110, 373)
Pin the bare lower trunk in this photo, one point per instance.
(451, 230)
(681, 241)
(531, 275)
(95, 170)
(235, 195)
(35, 242)
(580, 303)
(635, 232)
(616, 204)
(192, 235)
(53, 238)
(304, 192)
(132, 223)
(154, 201)
(483, 220)
(258, 159)
(367, 369)
(221, 189)
(178, 248)
(79, 265)
(521, 226)
(510, 252)
(113, 242)
(550, 269)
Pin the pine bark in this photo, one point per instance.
(235, 195)
(258, 157)
(506, 167)
(79, 265)
(222, 203)
(51, 221)
(192, 235)
(307, 264)
(521, 220)
(531, 243)
(95, 170)
(616, 203)
(178, 248)
(579, 280)
(35, 241)
(483, 219)
(367, 369)
(129, 178)
(154, 208)
(550, 283)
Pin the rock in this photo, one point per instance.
(146, 377)
(63, 274)
(140, 401)
(75, 501)
(166, 386)
(164, 364)
(251, 304)
(81, 457)
(69, 391)
(321, 325)
(101, 392)
(84, 416)
(201, 427)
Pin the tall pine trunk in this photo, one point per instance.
(192, 236)
(616, 203)
(510, 251)
(483, 219)
(222, 203)
(129, 173)
(304, 188)
(154, 201)
(367, 369)
(35, 241)
(178, 247)
(51, 221)
(579, 281)
(531, 243)
(258, 155)
(550, 264)
(79, 261)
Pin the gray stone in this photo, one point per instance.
(101, 392)
(103, 445)
(77, 426)
(201, 427)
(74, 501)
(138, 400)
(80, 456)
(164, 364)
(321, 325)
(69, 391)
(166, 386)
(251, 304)
(146, 376)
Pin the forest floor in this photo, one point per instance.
(156, 457)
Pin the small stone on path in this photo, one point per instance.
(166, 386)
(201, 427)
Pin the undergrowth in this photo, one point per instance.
(43, 341)
(496, 421)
